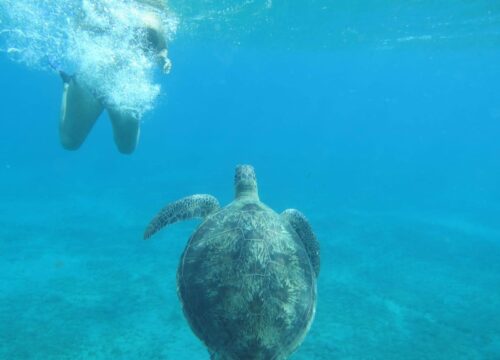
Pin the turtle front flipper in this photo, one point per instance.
(194, 206)
(301, 225)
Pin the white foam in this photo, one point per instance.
(100, 40)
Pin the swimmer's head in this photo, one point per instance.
(157, 4)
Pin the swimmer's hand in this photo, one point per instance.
(165, 62)
(167, 65)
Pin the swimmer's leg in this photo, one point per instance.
(125, 129)
(79, 112)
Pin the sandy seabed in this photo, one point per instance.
(78, 282)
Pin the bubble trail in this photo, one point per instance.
(100, 40)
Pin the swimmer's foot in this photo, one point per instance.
(66, 78)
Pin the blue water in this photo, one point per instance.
(380, 123)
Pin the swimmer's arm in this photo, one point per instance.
(157, 39)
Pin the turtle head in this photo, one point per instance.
(245, 182)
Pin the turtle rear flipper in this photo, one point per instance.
(194, 206)
(302, 227)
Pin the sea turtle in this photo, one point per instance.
(247, 277)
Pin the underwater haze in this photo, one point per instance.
(378, 119)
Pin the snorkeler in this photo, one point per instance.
(82, 105)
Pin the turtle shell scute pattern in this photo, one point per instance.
(246, 284)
